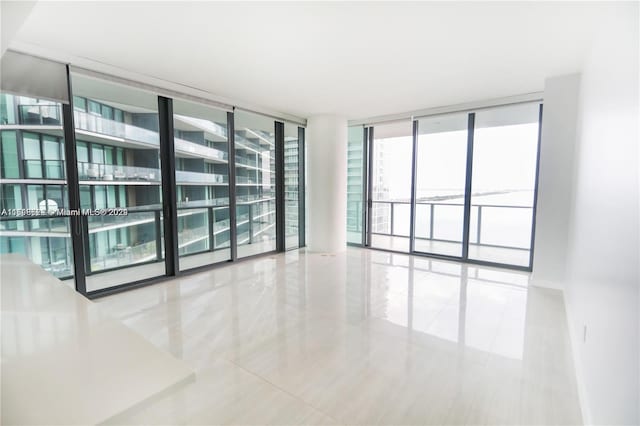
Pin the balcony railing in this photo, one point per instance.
(96, 124)
(42, 115)
(388, 225)
(196, 178)
(109, 172)
(143, 229)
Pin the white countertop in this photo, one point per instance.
(65, 362)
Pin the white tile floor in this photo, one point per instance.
(507, 256)
(363, 337)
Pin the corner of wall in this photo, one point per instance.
(577, 364)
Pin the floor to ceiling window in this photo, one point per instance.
(33, 186)
(136, 185)
(505, 147)
(117, 145)
(441, 154)
(355, 184)
(467, 182)
(292, 182)
(391, 186)
(201, 146)
(255, 183)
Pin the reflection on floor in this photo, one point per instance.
(363, 337)
(256, 247)
(504, 255)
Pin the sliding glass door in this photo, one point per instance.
(115, 184)
(201, 145)
(441, 154)
(465, 182)
(117, 147)
(293, 180)
(505, 148)
(390, 186)
(255, 183)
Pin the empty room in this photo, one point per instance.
(320, 213)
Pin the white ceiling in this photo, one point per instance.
(354, 59)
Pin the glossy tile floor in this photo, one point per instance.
(363, 337)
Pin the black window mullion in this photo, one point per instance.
(73, 191)
(364, 185)
(22, 173)
(280, 195)
(467, 187)
(412, 207)
(233, 240)
(40, 145)
(369, 194)
(301, 189)
(168, 173)
(535, 190)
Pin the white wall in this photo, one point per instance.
(602, 287)
(326, 144)
(555, 180)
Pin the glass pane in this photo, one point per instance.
(82, 152)
(107, 112)
(391, 186)
(94, 107)
(9, 159)
(7, 109)
(355, 176)
(79, 103)
(31, 147)
(51, 250)
(505, 150)
(202, 180)
(120, 249)
(255, 183)
(291, 186)
(45, 238)
(53, 164)
(440, 184)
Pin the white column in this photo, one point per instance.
(326, 144)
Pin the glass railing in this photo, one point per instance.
(243, 142)
(354, 215)
(214, 202)
(12, 226)
(185, 177)
(110, 172)
(439, 214)
(132, 218)
(246, 161)
(192, 148)
(139, 239)
(42, 115)
(45, 241)
(248, 180)
(96, 124)
(125, 255)
(202, 234)
(263, 198)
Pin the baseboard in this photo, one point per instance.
(577, 365)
